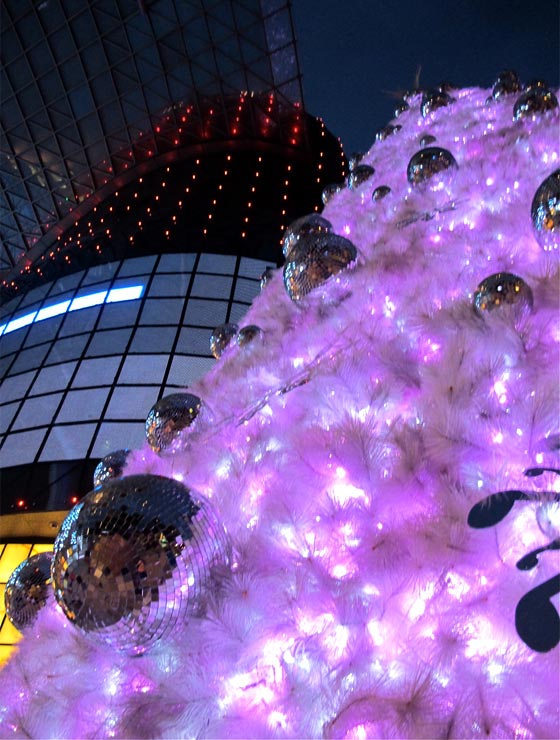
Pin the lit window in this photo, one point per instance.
(85, 301)
(20, 322)
(55, 310)
(129, 293)
(125, 294)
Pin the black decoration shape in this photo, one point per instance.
(533, 472)
(531, 560)
(536, 620)
(494, 508)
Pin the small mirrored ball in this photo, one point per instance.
(434, 99)
(167, 419)
(111, 466)
(320, 257)
(429, 163)
(534, 102)
(426, 140)
(380, 192)
(506, 294)
(506, 84)
(545, 212)
(329, 191)
(313, 223)
(249, 334)
(359, 175)
(266, 277)
(354, 160)
(28, 589)
(387, 131)
(222, 337)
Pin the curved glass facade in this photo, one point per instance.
(151, 155)
(79, 384)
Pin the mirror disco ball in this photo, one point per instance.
(111, 466)
(28, 589)
(506, 293)
(134, 558)
(168, 417)
(304, 226)
(317, 258)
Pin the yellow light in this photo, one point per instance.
(12, 555)
(9, 635)
(41, 548)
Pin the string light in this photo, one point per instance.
(169, 133)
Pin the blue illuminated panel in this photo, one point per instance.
(116, 295)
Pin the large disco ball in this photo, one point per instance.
(28, 589)
(135, 557)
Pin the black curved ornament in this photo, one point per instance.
(536, 619)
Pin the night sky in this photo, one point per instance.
(356, 56)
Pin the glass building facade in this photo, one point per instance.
(151, 155)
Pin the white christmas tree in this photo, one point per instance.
(347, 449)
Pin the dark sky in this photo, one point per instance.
(355, 55)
